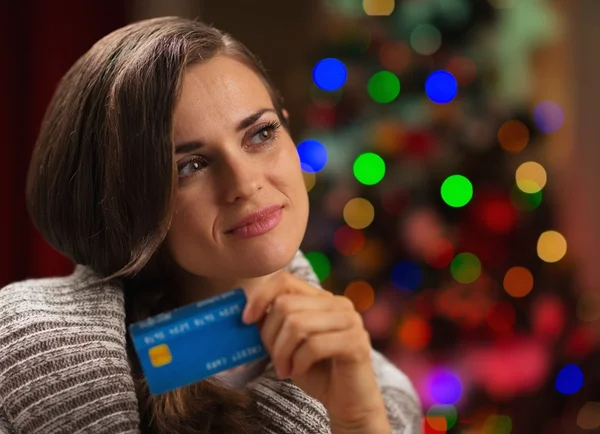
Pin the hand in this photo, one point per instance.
(319, 340)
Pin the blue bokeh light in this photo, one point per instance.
(329, 74)
(445, 387)
(569, 380)
(407, 275)
(548, 116)
(441, 87)
(313, 155)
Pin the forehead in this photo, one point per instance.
(217, 94)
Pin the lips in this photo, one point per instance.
(257, 216)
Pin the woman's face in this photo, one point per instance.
(234, 159)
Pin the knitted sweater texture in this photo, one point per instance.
(64, 366)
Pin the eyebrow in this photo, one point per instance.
(187, 147)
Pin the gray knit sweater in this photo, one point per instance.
(64, 367)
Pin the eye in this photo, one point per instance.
(191, 166)
(265, 134)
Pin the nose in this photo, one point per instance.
(241, 178)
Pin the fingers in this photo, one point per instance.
(344, 346)
(287, 304)
(298, 327)
(285, 284)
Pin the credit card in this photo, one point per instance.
(195, 342)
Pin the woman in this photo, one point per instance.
(165, 170)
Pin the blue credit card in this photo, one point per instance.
(195, 341)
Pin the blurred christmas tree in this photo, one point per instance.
(425, 166)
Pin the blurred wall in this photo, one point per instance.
(568, 73)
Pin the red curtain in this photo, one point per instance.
(39, 41)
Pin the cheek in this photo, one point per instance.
(287, 168)
(192, 219)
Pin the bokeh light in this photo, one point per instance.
(310, 179)
(463, 68)
(569, 380)
(348, 241)
(439, 253)
(548, 116)
(329, 74)
(394, 55)
(425, 39)
(380, 319)
(414, 333)
(407, 275)
(320, 264)
(525, 201)
(361, 294)
(465, 267)
(444, 386)
(383, 87)
(313, 155)
(551, 246)
(518, 282)
(370, 259)
(548, 318)
(588, 306)
(513, 136)
(441, 87)
(588, 417)
(359, 213)
(441, 417)
(497, 214)
(531, 177)
(369, 168)
(497, 424)
(457, 191)
(379, 7)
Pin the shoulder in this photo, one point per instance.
(56, 300)
(62, 345)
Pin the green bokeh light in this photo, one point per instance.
(525, 201)
(369, 168)
(320, 264)
(497, 424)
(446, 411)
(457, 191)
(465, 268)
(383, 87)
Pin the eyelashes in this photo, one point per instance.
(258, 138)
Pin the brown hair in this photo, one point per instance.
(101, 186)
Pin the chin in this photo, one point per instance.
(269, 259)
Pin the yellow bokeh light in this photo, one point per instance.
(379, 7)
(551, 246)
(359, 213)
(361, 294)
(310, 179)
(531, 177)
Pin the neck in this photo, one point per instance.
(196, 288)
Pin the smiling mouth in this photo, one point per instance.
(258, 223)
(256, 217)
